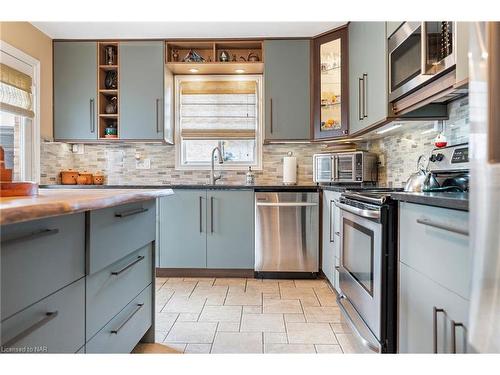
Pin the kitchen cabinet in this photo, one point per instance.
(207, 229)
(434, 273)
(418, 299)
(75, 91)
(287, 90)
(367, 75)
(330, 85)
(230, 238)
(330, 237)
(141, 90)
(182, 229)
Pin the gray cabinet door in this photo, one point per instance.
(367, 74)
(182, 229)
(287, 89)
(418, 296)
(75, 90)
(141, 90)
(230, 232)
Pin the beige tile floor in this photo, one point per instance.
(238, 315)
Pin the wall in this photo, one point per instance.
(32, 41)
(402, 148)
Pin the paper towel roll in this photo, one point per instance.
(289, 170)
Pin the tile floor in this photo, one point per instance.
(238, 315)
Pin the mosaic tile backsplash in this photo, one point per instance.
(401, 150)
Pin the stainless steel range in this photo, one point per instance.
(368, 264)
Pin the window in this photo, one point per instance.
(18, 121)
(224, 111)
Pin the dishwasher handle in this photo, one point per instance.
(287, 204)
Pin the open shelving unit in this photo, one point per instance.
(106, 94)
(210, 51)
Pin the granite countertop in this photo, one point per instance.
(189, 186)
(457, 201)
(54, 202)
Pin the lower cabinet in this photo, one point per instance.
(434, 279)
(207, 229)
(330, 236)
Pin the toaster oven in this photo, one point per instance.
(346, 167)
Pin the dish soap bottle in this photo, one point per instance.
(250, 176)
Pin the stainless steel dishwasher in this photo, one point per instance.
(286, 233)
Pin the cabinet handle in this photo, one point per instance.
(454, 326)
(131, 212)
(157, 115)
(435, 311)
(332, 239)
(271, 111)
(92, 116)
(48, 317)
(360, 84)
(201, 213)
(337, 234)
(30, 236)
(211, 214)
(137, 260)
(136, 310)
(448, 228)
(365, 96)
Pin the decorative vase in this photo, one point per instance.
(110, 81)
(110, 55)
(111, 107)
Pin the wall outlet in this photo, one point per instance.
(77, 148)
(143, 164)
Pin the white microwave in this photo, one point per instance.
(353, 167)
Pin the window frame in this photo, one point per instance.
(257, 165)
(29, 170)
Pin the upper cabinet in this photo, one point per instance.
(330, 85)
(141, 89)
(110, 91)
(287, 90)
(367, 74)
(75, 90)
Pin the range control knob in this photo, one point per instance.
(439, 157)
(433, 158)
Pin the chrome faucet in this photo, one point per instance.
(213, 176)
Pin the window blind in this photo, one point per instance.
(15, 92)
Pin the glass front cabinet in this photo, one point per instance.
(330, 85)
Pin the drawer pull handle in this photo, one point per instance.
(48, 317)
(139, 258)
(448, 228)
(454, 326)
(136, 310)
(31, 236)
(435, 312)
(337, 234)
(131, 212)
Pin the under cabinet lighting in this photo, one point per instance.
(389, 129)
(193, 70)
(240, 71)
(431, 130)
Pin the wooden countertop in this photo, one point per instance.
(54, 202)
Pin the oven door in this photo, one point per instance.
(360, 271)
(323, 168)
(407, 62)
(345, 168)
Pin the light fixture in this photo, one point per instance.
(240, 71)
(193, 70)
(389, 129)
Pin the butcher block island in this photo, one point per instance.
(77, 270)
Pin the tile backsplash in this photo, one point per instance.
(400, 149)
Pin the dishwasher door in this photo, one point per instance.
(286, 231)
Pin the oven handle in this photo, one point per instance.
(370, 214)
(287, 204)
(366, 343)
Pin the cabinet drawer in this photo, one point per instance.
(122, 333)
(418, 297)
(61, 331)
(117, 231)
(38, 258)
(440, 254)
(110, 289)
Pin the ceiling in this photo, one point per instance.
(173, 30)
